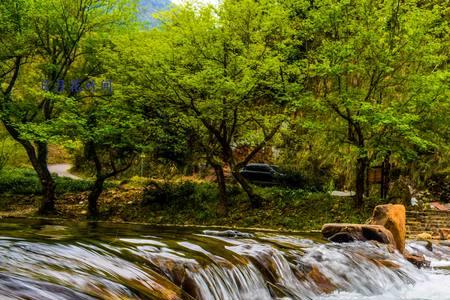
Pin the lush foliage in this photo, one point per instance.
(328, 89)
(196, 203)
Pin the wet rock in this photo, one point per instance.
(386, 263)
(280, 291)
(228, 233)
(347, 237)
(429, 246)
(418, 260)
(424, 236)
(393, 218)
(190, 287)
(343, 233)
(322, 282)
(387, 225)
(444, 233)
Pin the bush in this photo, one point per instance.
(169, 202)
(69, 185)
(439, 186)
(300, 179)
(25, 181)
(166, 193)
(184, 194)
(19, 181)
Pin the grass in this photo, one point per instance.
(24, 181)
(196, 203)
(186, 203)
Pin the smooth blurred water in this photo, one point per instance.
(51, 260)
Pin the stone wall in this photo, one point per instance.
(428, 221)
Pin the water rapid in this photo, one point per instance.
(43, 260)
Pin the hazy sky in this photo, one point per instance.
(201, 1)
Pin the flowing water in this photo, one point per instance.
(47, 260)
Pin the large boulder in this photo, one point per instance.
(387, 225)
(342, 233)
(393, 218)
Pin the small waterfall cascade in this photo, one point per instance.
(106, 262)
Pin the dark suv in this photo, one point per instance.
(262, 174)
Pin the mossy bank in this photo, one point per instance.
(189, 203)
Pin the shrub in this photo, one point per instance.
(166, 193)
(300, 179)
(185, 194)
(19, 181)
(69, 185)
(439, 185)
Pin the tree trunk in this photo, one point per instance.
(47, 204)
(38, 156)
(97, 189)
(386, 170)
(255, 200)
(223, 205)
(362, 163)
(39, 163)
(367, 192)
(361, 167)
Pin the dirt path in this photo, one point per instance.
(342, 193)
(62, 170)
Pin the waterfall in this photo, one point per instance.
(172, 264)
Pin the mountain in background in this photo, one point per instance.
(148, 7)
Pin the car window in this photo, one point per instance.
(276, 168)
(258, 168)
(252, 168)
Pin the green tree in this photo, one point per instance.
(111, 134)
(224, 69)
(54, 33)
(107, 119)
(379, 68)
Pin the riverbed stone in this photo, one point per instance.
(386, 263)
(228, 233)
(444, 233)
(418, 260)
(342, 233)
(322, 282)
(445, 243)
(424, 236)
(393, 218)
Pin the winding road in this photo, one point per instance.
(62, 170)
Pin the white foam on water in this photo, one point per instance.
(435, 286)
(242, 282)
(219, 268)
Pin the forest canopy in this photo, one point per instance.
(333, 88)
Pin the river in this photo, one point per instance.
(52, 260)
